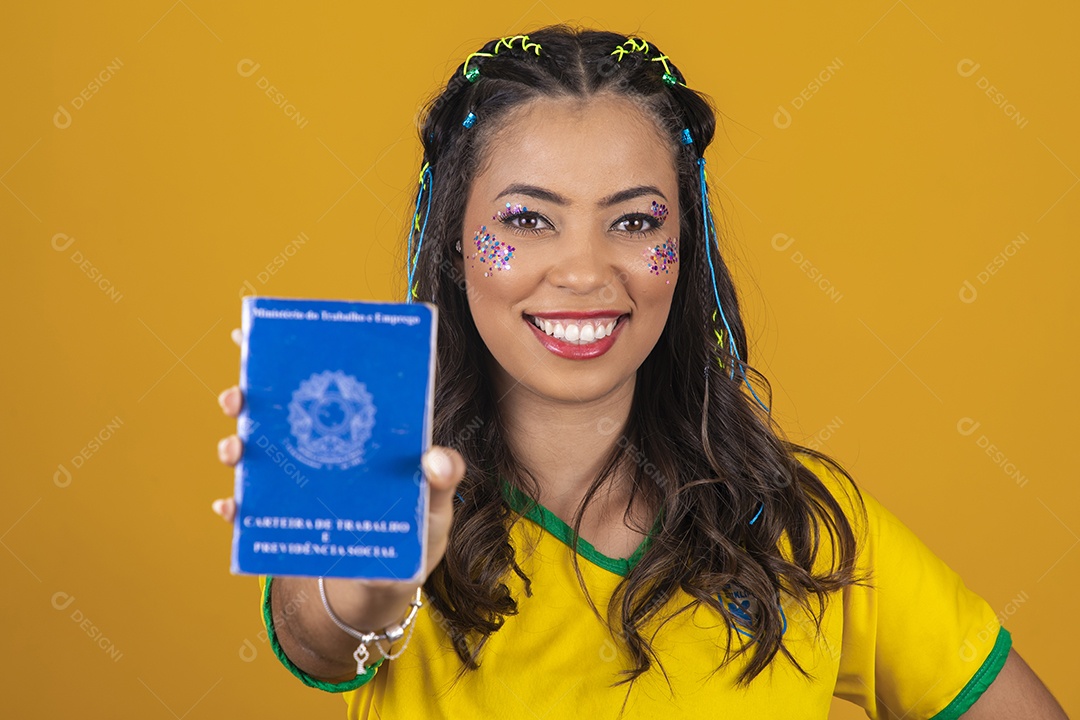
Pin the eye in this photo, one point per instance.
(524, 221)
(637, 224)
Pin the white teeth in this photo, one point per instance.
(578, 332)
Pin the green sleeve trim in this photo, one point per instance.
(981, 680)
(304, 677)
(531, 509)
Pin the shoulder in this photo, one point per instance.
(881, 538)
(828, 480)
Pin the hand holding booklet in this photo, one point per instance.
(337, 412)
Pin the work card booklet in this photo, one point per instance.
(337, 412)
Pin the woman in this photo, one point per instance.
(617, 527)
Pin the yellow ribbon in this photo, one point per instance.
(634, 47)
(416, 218)
(719, 338)
(639, 45)
(508, 42)
(525, 44)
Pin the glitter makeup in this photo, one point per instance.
(660, 257)
(492, 252)
(510, 211)
(659, 211)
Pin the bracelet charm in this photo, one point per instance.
(361, 656)
(394, 633)
(391, 633)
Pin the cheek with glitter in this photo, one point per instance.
(494, 254)
(510, 211)
(659, 211)
(662, 258)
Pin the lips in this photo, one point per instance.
(572, 330)
(577, 335)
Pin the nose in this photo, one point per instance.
(583, 263)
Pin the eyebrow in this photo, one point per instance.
(630, 194)
(553, 197)
(533, 191)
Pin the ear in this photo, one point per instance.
(454, 265)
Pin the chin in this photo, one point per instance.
(576, 387)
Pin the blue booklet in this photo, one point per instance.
(337, 411)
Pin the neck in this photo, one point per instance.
(564, 444)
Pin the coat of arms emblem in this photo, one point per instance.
(330, 416)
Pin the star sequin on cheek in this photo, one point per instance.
(660, 257)
(492, 252)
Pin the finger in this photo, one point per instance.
(225, 507)
(444, 468)
(230, 449)
(231, 401)
(237, 336)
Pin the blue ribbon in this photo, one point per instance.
(413, 261)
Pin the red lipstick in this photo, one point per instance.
(574, 351)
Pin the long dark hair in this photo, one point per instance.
(698, 448)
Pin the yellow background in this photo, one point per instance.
(179, 181)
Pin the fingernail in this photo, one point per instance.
(221, 398)
(436, 462)
(222, 446)
(218, 506)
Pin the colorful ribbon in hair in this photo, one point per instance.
(525, 44)
(413, 259)
(636, 45)
(710, 239)
(639, 45)
(472, 74)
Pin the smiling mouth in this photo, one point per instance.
(577, 331)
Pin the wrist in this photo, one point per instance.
(367, 606)
(390, 634)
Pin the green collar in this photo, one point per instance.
(533, 510)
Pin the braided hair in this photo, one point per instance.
(718, 469)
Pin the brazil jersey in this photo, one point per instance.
(917, 644)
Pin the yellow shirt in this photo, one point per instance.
(919, 644)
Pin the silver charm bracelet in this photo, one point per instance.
(391, 633)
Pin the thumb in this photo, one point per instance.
(444, 468)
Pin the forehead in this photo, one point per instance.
(582, 147)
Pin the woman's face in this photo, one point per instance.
(570, 245)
